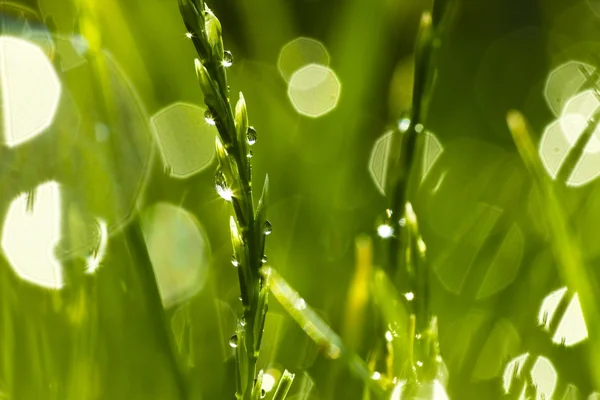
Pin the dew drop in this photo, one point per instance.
(404, 124)
(385, 231)
(208, 117)
(221, 185)
(268, 228)
(263, 259)
(227, 59)
(243, 321)
(234, 261)
(263, 393)
(252, 135)
(250, 154)
(233, 340)
(419, 128)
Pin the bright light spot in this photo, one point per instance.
(560, 136)
(189, 35)
(210, 121)
(179, 251)
(225, 193)
(388, 336)
(30, 236)
(575, 116)
(300, 304)
(300, 52)
(549, 306)
(439, 392)
(544, 378)
(513, 369)
(385, 231)
(314, 90)
(93, 261)
(571, 328)
(404, 124)
(398, 389)
(30, 90)
(268, 382)
(564, 82)
(594, 396)
(410, 296)
(185, 143)
(378, 163)
(419, 363)
(428, 390)
(376, 376)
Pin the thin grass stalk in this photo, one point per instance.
(139, 254)
(570, 260)
(233, 180)
(406, 248)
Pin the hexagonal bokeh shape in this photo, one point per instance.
(314, 90)
(570, 327)
(185, 140)
(565, 81)
(300, 52)
(560, 137)
(106, 176)
(30, 90)
(30, 233)
(179, 251)
(542, 373)
(378, 162)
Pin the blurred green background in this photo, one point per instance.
(122, 150)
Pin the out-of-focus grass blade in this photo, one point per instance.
(317, 329)
(358, 293)
(570, 260)
(285, 383)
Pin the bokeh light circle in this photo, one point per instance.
(314, 90)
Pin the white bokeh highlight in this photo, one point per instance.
(571, 329)
(178, 249)
(30, 90)
(29, 236)
(560, 136)
(185, 140)
(564, 82)
(428, 390)
(300, 52)
(314, 90)
(570, 326)
(542, 373)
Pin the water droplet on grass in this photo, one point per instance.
(221, 185)
(268, 228)
(252, 135)
(233, 341)
(227, 59)
(209, 118)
